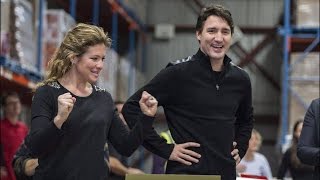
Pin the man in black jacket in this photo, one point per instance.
(309, 141)
(207, 101)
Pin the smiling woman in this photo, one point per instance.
(72, 118)
(76, 43)
(87, 67)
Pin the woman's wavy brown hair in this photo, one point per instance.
(75, 43)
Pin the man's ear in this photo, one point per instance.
(198, 34)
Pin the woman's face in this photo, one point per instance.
(91, 63)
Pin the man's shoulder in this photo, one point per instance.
(180, 61)
(237, 68)
(239, 71)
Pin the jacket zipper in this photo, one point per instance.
(220, 77)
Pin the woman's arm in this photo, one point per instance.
(45, 132)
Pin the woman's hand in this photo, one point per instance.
(65, 106)
(148, 104)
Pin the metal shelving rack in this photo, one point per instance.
(14, 72)
(290, 32)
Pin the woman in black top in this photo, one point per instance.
(72, 118)
(290, 161)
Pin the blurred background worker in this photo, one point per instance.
(290, 162)
(159, 163)
(254, 163)
(13, 132)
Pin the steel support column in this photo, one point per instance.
(73, 8)
(95, 12)
(39, 42)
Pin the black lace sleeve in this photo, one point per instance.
(19, 161)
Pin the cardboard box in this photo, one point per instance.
(307, 13)
(5, 15)
(58, 22)
(307, 90)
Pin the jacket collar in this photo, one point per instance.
(205, 60)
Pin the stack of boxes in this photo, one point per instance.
(308, 89)
(307, 15)
(58, 22)
(24, 38)
(5, 38)
(17, 34)
(108, 76)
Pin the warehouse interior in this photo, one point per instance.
(276, 42)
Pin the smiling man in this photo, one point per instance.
(207, 102)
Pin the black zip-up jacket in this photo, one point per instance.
(309, 141)
(203, 106)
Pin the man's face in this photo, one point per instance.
(12, 106)
(215, 37)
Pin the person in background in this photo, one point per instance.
(72, 118)
(207, 101)
(290, 161)
(254, 163)
(118, 163)
(309, 142)
(13, 132)
(159, 164)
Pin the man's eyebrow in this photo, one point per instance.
(226, 29)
